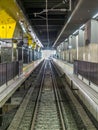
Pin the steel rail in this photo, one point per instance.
(58, 100)
(21, 111)
(37, 101)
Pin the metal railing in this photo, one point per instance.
(20, 64)
(9, 71)
(88, 70)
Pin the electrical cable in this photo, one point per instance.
(47, 24)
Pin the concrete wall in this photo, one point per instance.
(86, 53)
(91, 53)
(91, 31)
(83, 45)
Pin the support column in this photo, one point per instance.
(91, 41)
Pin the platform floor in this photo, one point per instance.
(7, 90)
(87, 93)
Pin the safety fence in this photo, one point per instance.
(88, 70)
(9, 71)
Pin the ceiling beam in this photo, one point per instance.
(51, 22)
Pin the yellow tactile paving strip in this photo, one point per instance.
(30, 67)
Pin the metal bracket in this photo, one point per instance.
(53, 9)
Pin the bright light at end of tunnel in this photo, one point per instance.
(48, 53)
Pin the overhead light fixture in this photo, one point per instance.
(76, 32)
(82, 27)
(70, 36)
(95, 16)
(69, 46)
(66, 40)
(30, 47)
(59, 50)
(35, 38)
(22, 26)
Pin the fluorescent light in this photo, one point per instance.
(82, 26)
(38, 42)
(22, 26)
(96, 15)
(30, 47)
(23, 29)
(69, 46)
(75, 32)
(66, 40)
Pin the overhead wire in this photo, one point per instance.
(47, 25)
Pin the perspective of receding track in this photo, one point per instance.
(47, 105)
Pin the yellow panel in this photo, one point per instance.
(30, 41)
(12, 8)
(34, 45)
(7, 30)
(7, 25)
(5, 18)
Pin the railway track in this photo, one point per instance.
(23, 117)
(75, 116)
(48, 114)
(47, 106)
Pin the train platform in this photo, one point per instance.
(87, 93)
(6, 91)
